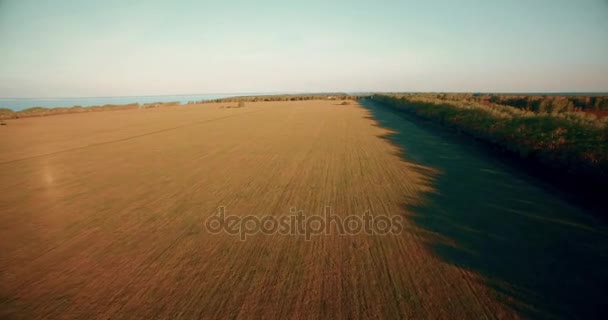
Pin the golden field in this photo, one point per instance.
(102, 216)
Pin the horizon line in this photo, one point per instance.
(306, 92)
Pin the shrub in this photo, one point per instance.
(575, 142)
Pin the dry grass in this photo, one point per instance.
(102, 216)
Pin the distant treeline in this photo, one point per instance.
(41, 111)
(573, 142)
(285, 97)
(538, 103)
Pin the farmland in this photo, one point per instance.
(102, 215)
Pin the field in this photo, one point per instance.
(102, 215)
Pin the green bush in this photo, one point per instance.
(574, 142)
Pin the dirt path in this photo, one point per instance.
(103, 216)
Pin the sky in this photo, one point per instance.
(123, 48)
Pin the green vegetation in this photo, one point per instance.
(159, 105)
(536, 103)
(6, 113)
(576, 142)
(286, 97)
(41, 111)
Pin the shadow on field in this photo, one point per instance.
(543, 256)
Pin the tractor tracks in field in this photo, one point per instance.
(191, 124)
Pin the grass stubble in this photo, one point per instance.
(102, 216)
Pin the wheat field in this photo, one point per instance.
(102, 216)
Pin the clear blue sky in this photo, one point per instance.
(107, 48)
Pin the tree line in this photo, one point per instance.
(570, 142)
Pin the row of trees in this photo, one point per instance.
(553, 104)
(288, 97)
(574, 142)
(537, 103)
